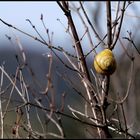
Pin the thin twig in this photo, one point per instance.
(70, 82)
(109, 23)
(11, 92)
(86, 27)
(131, 40)
(74, 112)
(129, 84)
(1, 113)
(6, 74)
(62, 113)
(35, 38)
(116, 20)
(125, 50)
(119, 26)
(97, 35)
(125, 122)
(36, 30)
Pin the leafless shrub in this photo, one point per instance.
(104, 111)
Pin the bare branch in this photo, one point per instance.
(119, 26)
(98, 37)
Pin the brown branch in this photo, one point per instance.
(64, 114)
(29, 35)
(97, 35)
(102, 133)
(119, 27)
(131, 40)
(86, 27)
(80, 55)
(109, 23)
(116, 20)
(125, 122)
(106, 79)
(78, 46)
(125, 50)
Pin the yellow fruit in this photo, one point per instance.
(105, 63)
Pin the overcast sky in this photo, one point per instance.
(16, 14)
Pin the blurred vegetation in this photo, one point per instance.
(65, 81)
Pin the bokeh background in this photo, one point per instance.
(16, 13)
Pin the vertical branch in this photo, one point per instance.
(119, 27)
(50, 84)
(109, 22)
(116, 20)
(85, 25)
(106, 78)
(88, 20)
(102, 132)
(1, 114)
(105, 89)
(82, 62)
